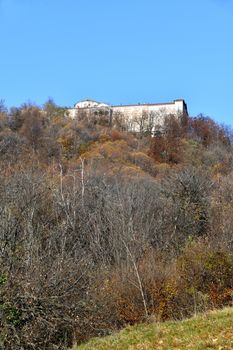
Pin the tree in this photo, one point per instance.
(166, 145)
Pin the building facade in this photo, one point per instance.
(134, 117)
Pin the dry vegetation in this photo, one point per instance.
(101, 228)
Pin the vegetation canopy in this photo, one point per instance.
(102, 228)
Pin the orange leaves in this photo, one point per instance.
(166, 146)
(207, 131)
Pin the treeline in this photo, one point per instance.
(100, 228)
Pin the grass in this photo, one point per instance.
(213, 330)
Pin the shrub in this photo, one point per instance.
(208, 271)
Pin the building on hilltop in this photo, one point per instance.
(136, 118)
(89, 104)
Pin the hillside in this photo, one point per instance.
(209, 331)
(101, 228)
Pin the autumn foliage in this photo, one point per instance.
(100, 227)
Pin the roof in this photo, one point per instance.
(151, 104)
(134, 105)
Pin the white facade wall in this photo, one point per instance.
(136, 117)
(137, 110)
(72, 113)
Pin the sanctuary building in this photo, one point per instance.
(136, 117)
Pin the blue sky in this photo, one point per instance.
(119, 51)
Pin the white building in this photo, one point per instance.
(136, 117)
(87, 106)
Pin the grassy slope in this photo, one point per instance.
(210, 331)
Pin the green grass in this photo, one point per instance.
(213, 330)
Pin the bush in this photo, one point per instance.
(207, 271)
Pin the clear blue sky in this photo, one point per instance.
(119, 51)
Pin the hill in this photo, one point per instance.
(213, 330)
(101, 228)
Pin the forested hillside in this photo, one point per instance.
(101, 228)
